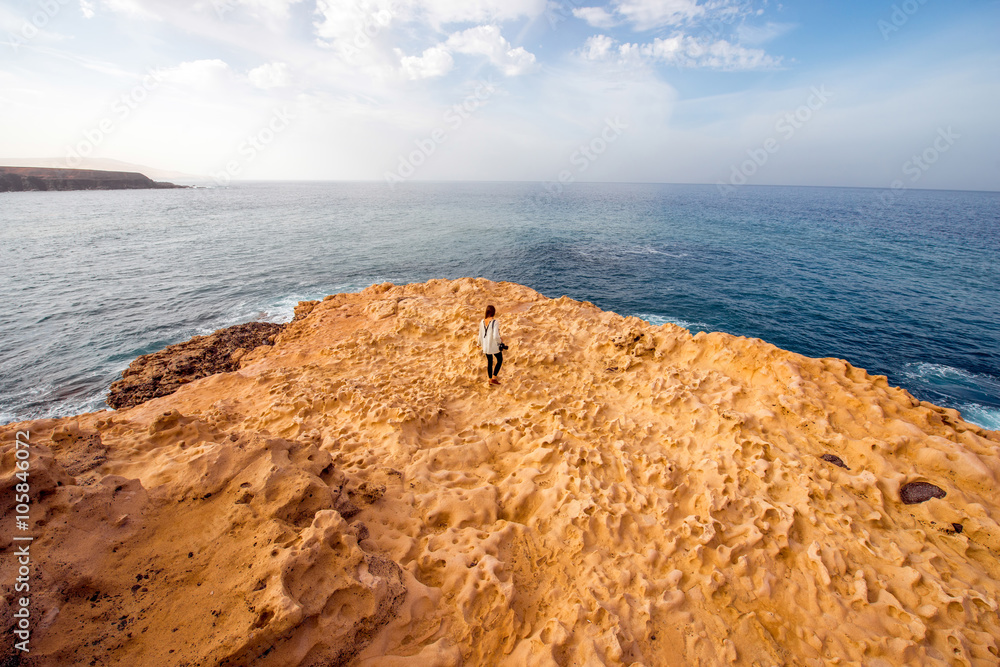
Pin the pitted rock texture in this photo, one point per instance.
(630, 495)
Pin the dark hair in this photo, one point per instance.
(490, 311)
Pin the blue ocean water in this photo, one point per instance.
(907, 289)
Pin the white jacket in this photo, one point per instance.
(489, 337)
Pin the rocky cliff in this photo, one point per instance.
(19, 179)
(630, 494)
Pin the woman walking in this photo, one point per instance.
(492, 344)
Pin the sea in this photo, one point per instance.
(902, 283)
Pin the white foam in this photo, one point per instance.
(650, 250)
(981, 415)
(925, 371)
(659, 320)
(597, 252)
(55, 409)
(279, 310)
(936, 375)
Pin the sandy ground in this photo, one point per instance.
(629, 495)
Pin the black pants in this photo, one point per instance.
(490, 371)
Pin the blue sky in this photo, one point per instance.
(897, 94)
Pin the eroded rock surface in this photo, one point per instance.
(630, 495)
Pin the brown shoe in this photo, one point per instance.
(494, 381)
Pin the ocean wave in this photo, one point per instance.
(968, 392)
(650, 250)
(926, 370)
(659, 320)
(278, 310)
(43, 402)
(933, 375)
(274, 310)
(598, 252)
(981, 415)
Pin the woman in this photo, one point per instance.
(492, 344)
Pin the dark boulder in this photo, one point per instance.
(918, 492)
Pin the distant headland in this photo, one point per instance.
(21, 179)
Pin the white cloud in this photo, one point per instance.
(271, 7)
(598, 47)
(269, 75)
(680, 51)
(486, 40)
(134, 8)
(341, 20)
(197, 73)
(756, 35)
(440, 12)
(159, 9)
(652, 14)
(648, 14)
(435, 61)
(87, 9)
(369, 34)
(598, 17)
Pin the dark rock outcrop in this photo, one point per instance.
(919, 492)
(162, 373)
(21, 179)
(835, 460)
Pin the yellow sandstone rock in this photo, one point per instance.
(630, 495)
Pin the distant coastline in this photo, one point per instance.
(23, 179)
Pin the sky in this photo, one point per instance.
(892, 95)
